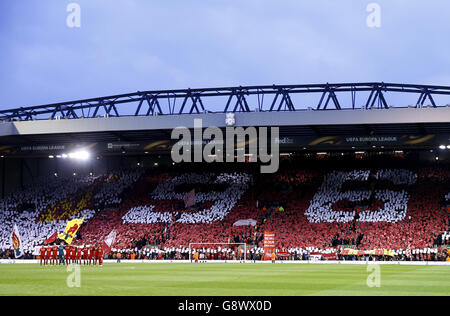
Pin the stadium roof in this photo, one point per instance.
(123, 118)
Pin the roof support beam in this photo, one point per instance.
(232, 99)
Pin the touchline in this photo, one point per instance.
(207, 145)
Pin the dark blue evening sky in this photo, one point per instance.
(128, 45)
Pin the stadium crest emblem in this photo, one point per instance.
(230, 120)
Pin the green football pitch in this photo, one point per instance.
(216, 279)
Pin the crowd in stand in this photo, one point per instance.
(223, 201)
(110, 193)
(44, 207)
(311, 212)
(25, 207)
(443, 239)
(395, 203)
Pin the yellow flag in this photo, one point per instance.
(71, 230)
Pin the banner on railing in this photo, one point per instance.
(375, 252)
(269, 245)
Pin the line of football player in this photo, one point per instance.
(87, 255)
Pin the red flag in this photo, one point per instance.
(52, 238)
(189, 198)
(109, 241)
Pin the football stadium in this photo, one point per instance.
(307, 165)
(355, 187)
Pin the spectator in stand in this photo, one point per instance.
(401, 210)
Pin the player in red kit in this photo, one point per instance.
(90, 254)
(68, 254)
(54, 254)
(78, 255)
(100, 256)
(88, 251)
(42, 256)
(50, 257)
(73, 252)
(95, 254)
(85, 255)
(72, 257)
(47, 255)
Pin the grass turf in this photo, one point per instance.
(216, 279)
